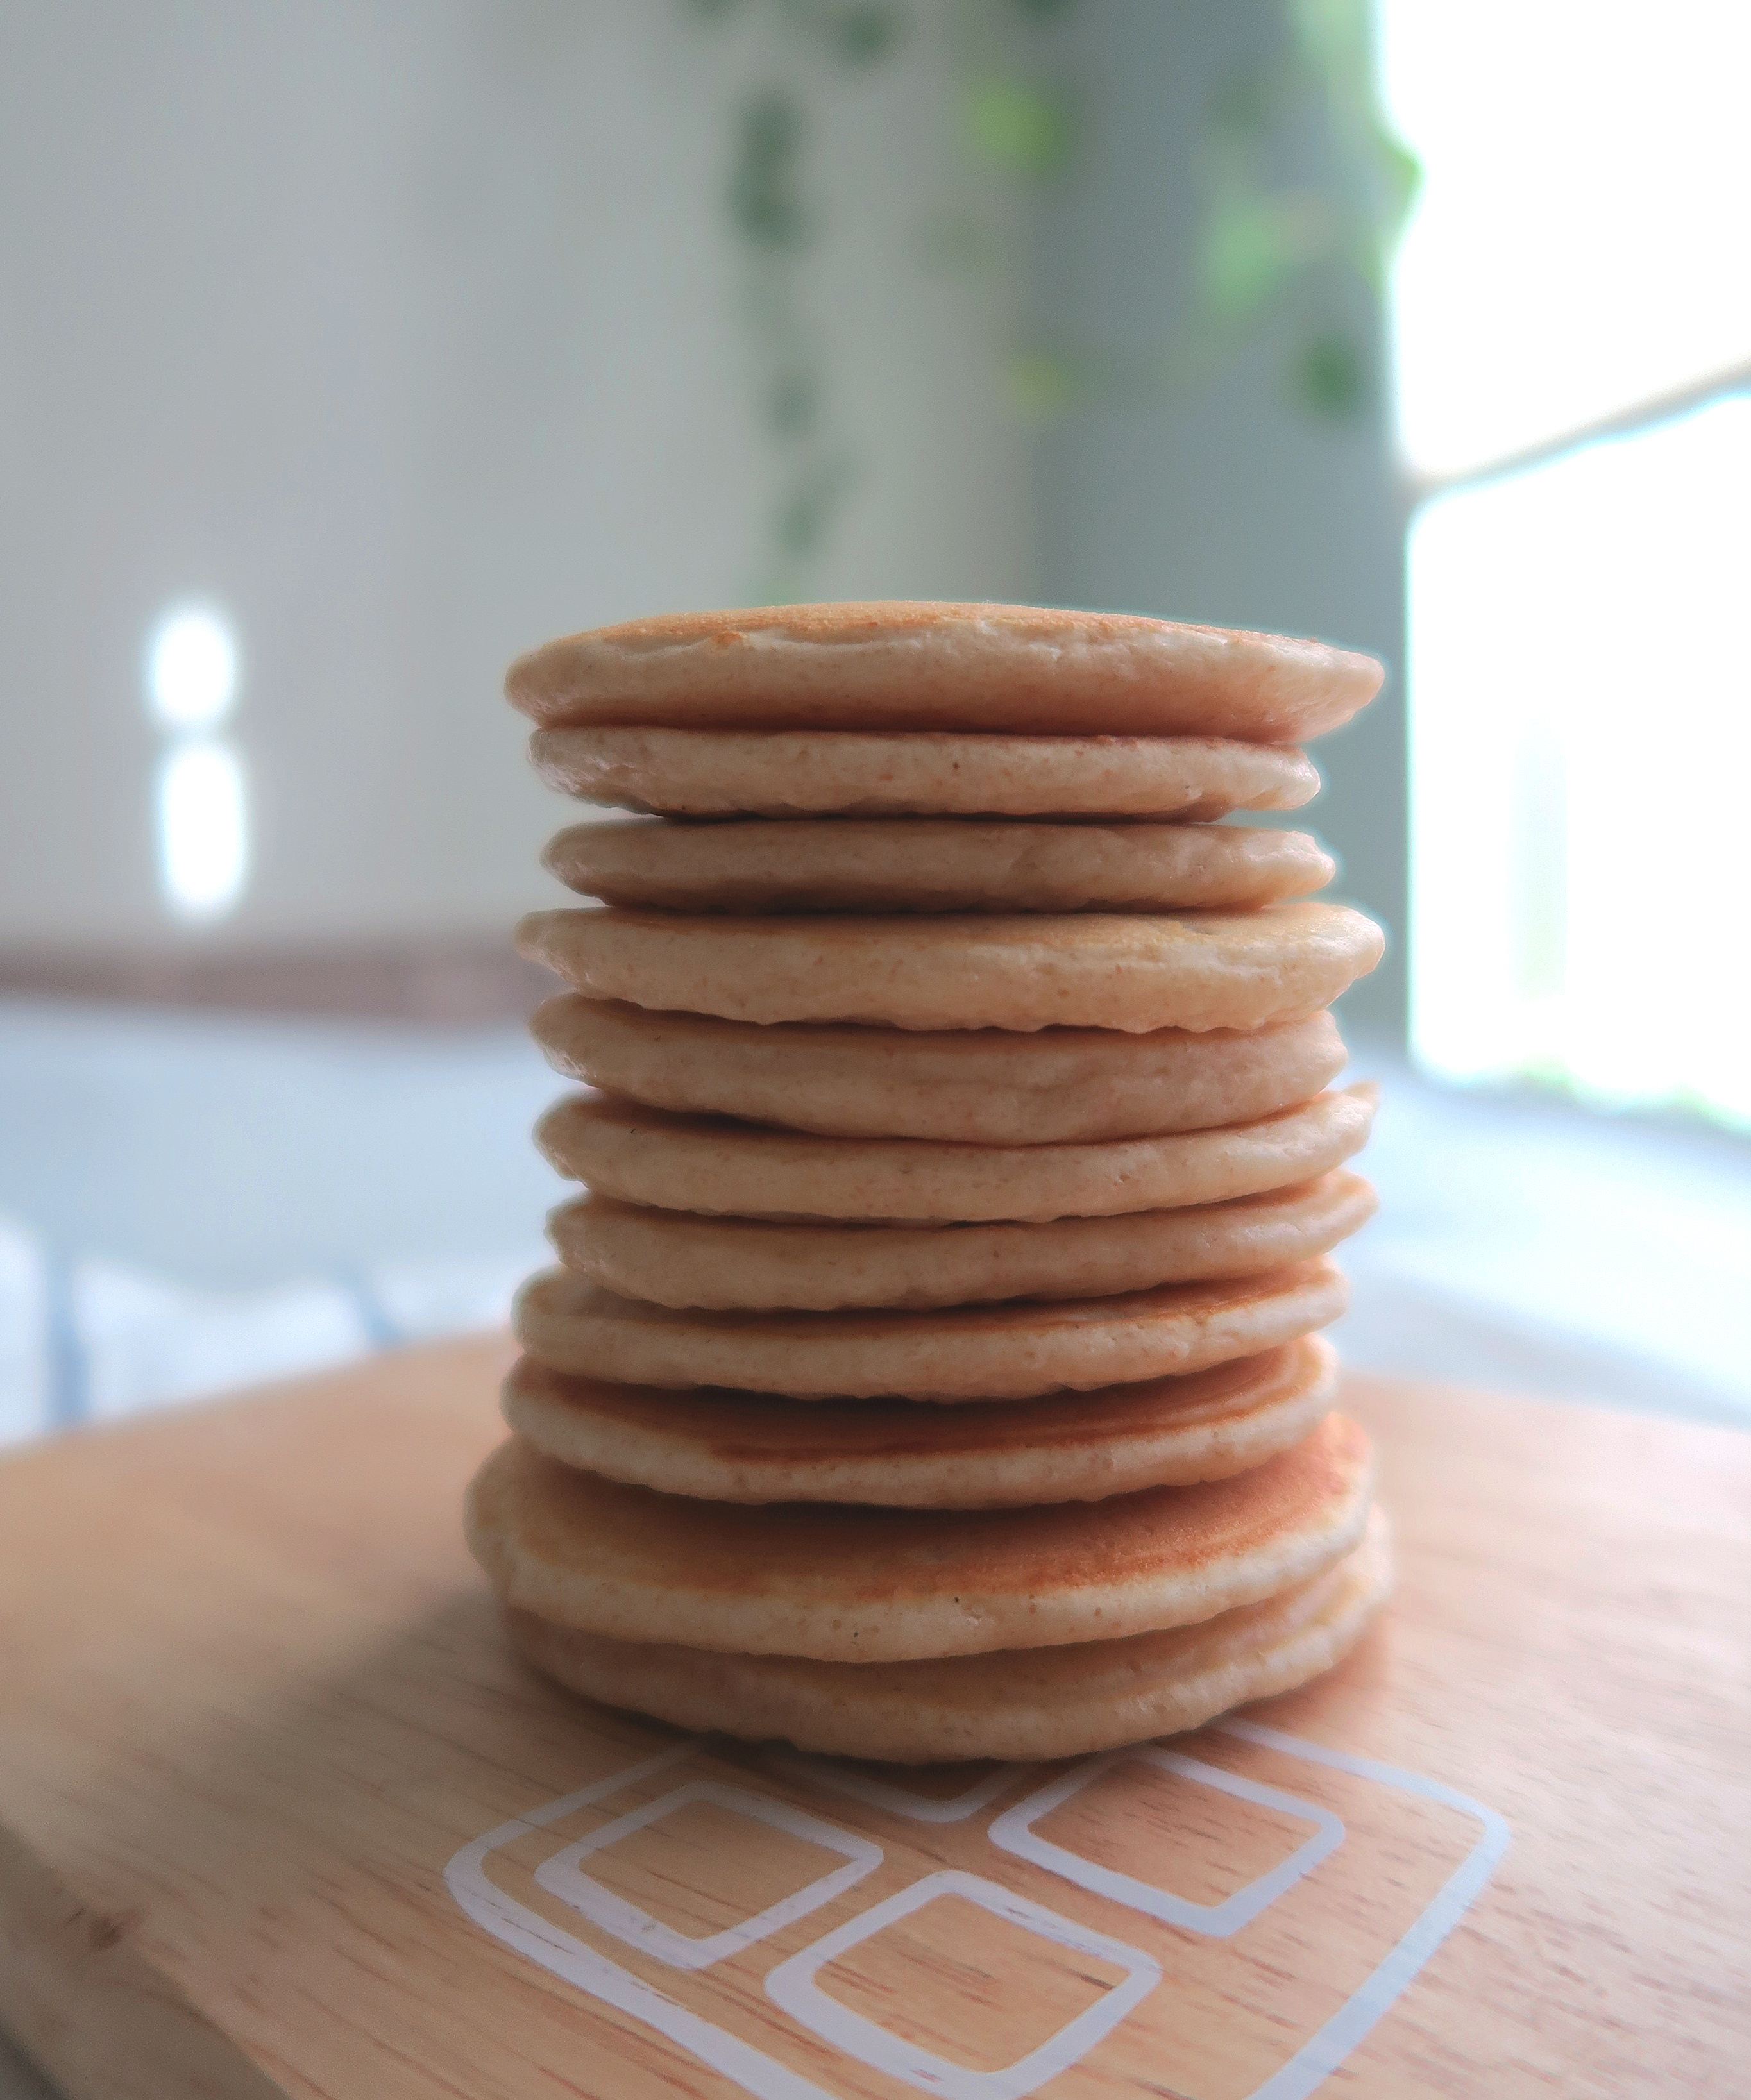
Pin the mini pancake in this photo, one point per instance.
(704, 1164)
(859, 1585)
(962, 1353)
(729, 1447)
(1020, 972)
(968, 1086)
(676, 1258)
(916, 864)
(1016, 1705)
(901, 666)
(819, 772)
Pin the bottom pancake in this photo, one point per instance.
(1034, 1702)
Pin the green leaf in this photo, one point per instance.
(1019, 126)
(806, 508)
(765, 197)
(1400, 173)
(1254, 247)
(1329, 377)
(1335, 37)
(859, 36)
(1041, 385)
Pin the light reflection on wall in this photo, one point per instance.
(202, 797)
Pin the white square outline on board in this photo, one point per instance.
(572, 1961)
(792, 1986)
(563, 1876)
(898, 1800)
(1013, 1832)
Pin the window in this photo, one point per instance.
(1572, 355)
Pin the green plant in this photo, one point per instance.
(1273, 247)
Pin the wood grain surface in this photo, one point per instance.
(254, 1702)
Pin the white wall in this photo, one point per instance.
(407, 333)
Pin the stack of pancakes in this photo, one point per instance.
(932, 1370)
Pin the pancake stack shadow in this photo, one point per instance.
(932, 1368)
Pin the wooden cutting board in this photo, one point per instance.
(278, 1814)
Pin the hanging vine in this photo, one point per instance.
(1272, 249)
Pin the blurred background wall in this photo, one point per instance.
(407, 335)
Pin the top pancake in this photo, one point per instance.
(849, 1583)
(1021, 669)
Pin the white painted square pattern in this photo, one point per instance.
(1014, 1832)
(563, 1876)
(793, 1986)
(696, 2015)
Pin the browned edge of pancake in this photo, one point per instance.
(973, 1087)
(920, 665)
(961, 1355)
(856, 1584)
(1016, 1706)
(720, 1445)
(688, 1261)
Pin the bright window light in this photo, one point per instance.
(192, 670)
(1581, 740)
(1578, 245)
(203, 827)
